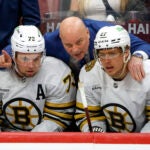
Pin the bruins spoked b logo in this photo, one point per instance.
(119, 118)
(22, 114)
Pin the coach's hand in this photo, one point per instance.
(135, 67)
(5, 60)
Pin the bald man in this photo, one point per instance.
(73, 43)
(75, 37)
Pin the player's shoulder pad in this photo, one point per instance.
(90, 65)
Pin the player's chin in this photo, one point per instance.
(110, 73)
(30, 74)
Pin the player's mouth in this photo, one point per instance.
(109, 69)
(30, 73)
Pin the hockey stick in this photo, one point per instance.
(81, 88)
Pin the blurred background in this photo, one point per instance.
(136, 19)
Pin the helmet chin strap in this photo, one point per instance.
(17, 71)
(23, 78)
(124, 69)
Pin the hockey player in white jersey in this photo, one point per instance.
(116, 102)
(37, 93)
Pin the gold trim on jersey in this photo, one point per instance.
(91, 108)
(58, 114)
(147, 110)
(95, 113)
(90, 65)
(57, 122)
(1, 121)
(1, 111)
(82, 115)
(101, 118)
(62, 105)
(52, 112)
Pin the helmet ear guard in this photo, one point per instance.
(127, 50)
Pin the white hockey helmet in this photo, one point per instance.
(111, 37)
(27, 39)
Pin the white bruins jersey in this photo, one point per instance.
(123, 105)
(44, 102)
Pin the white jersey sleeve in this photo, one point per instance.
(96, 115)
(60, 100)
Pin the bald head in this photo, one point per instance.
(74, 36)
(71, 25)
